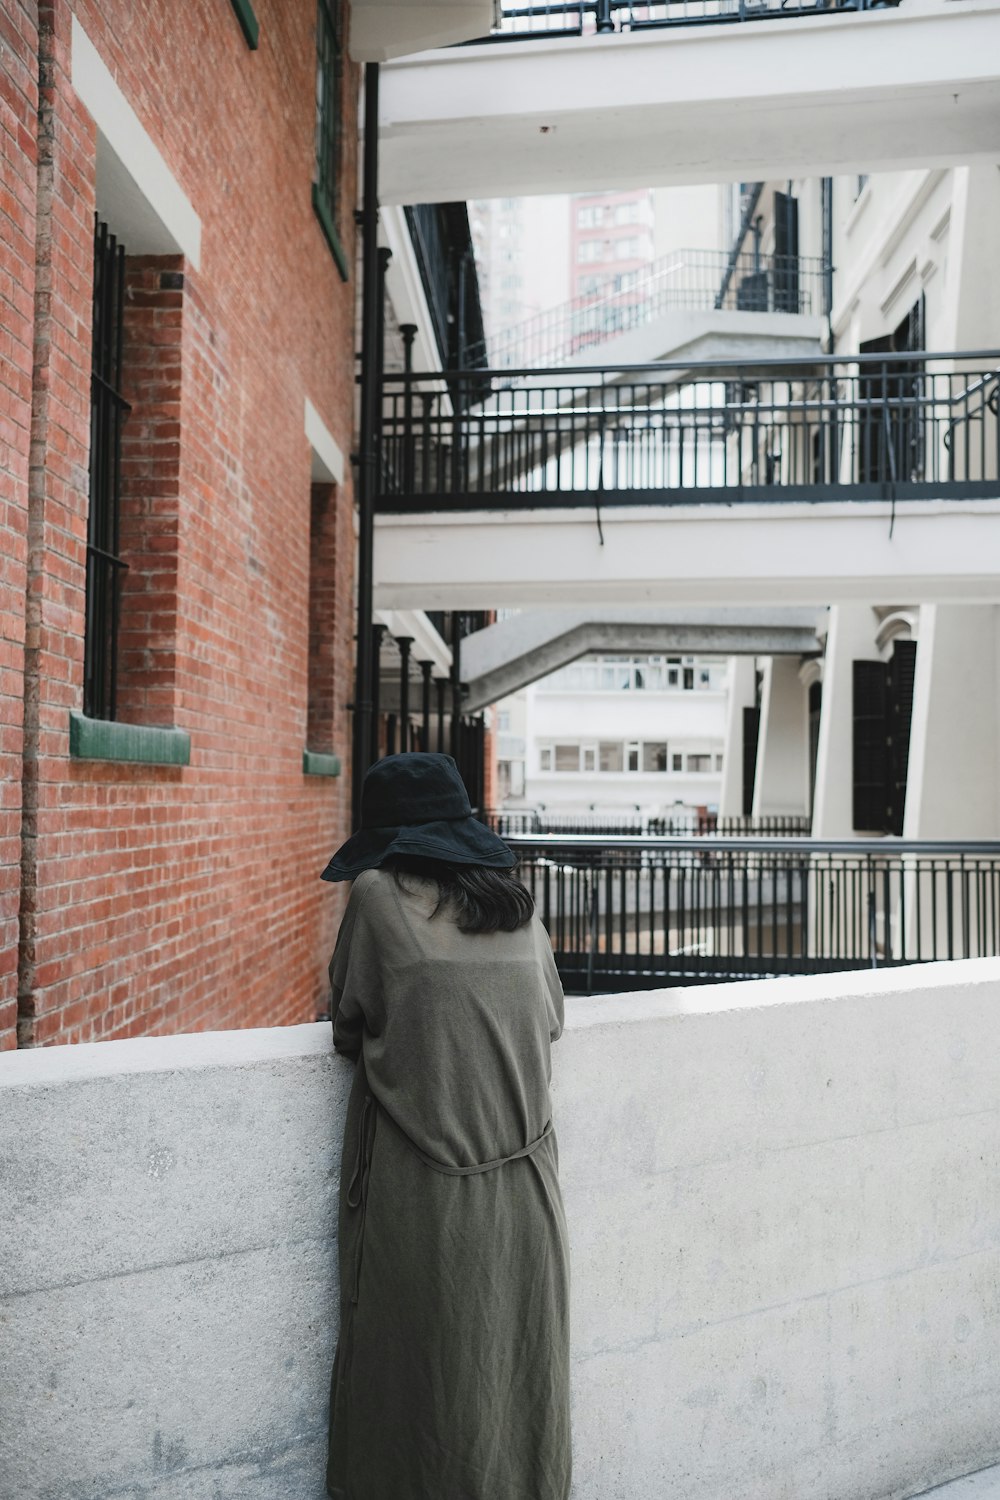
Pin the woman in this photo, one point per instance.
(451, 1380)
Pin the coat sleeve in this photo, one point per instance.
(353, 975)
(553, 983)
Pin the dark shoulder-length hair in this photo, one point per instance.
(481, 899)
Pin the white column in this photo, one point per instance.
(953, 777)
(850, 637)
(741, 695)
(782, 781)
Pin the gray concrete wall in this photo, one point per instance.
(785, 1224)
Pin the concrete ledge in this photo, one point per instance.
(107, 739)
(785, 1237)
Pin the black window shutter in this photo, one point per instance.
(900, 679)
(786, 253)
(751, 733)
(870, 777)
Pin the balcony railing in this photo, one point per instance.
(684, 280)
(854, 427)
(634, 913)
(515, 821)
(596, 17)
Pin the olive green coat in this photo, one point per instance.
(451, 1379)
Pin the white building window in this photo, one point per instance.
(632, 756)
(610, 755)
(699, 763)
(654, 756)
(545, 758)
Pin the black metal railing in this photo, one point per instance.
(913, 426)
(595, 17)
(106, 567)
(644, 912)
(684, 280)
(518, 821)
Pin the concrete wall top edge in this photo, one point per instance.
(755, 994)
(241, 1048)
(34, 1066)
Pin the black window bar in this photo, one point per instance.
(108, 410)
(329, 70)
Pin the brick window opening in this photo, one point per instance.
(132, 525)
(322, 618)
(108, 411)
(329, 136)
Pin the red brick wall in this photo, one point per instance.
(18, 176)
(170, 899)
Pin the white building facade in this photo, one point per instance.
(616, 736)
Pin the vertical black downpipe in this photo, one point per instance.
(371, 410)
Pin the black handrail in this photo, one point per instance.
(848, 426)
(576, 18)
(633, 913)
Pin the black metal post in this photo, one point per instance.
(370, 421)
(408, 332)
(404, 642)
(456, 682)
(827, 215)
(390, 734)
(377, 632)
(442, 683)
(426, 668)
(603, 16)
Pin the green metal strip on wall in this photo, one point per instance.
(314, 763)
(248, 22)
(106, 739)
(322, 207)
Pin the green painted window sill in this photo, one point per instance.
(324, 213)
(314, 763)
(249, 24)
(139, 744)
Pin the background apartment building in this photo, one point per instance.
(618, 737)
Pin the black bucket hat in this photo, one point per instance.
(416, 803)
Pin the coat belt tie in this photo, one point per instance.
(357, 1191)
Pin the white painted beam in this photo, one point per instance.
(837, 92)
(795, 553)
(380, 29)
